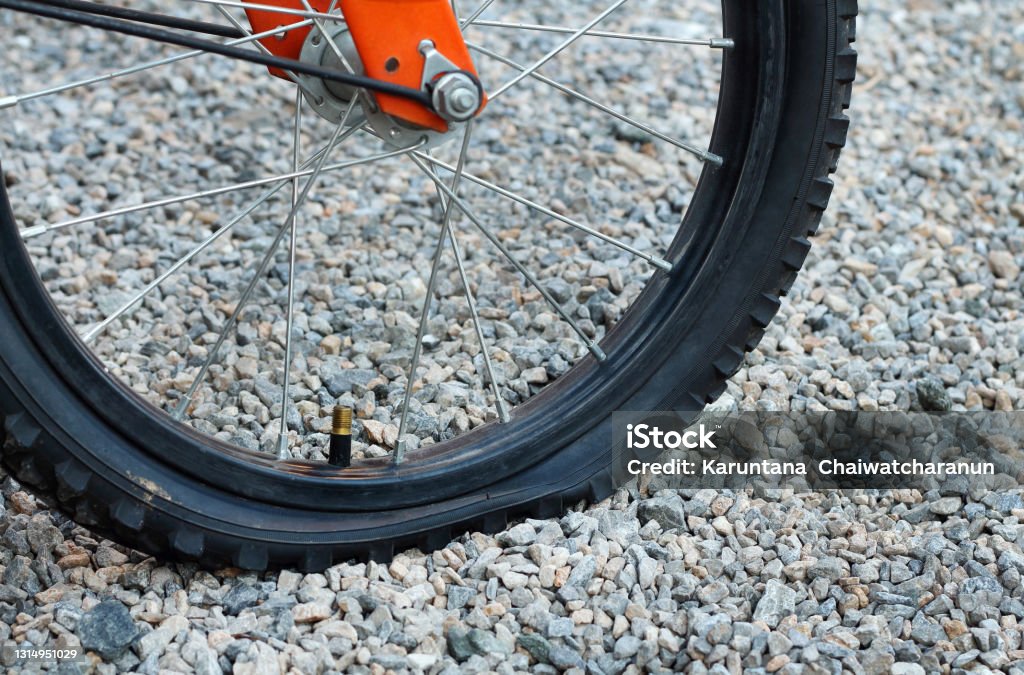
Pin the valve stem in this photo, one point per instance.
(341, 438)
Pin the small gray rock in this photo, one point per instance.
(241, 596)
(668, 511)
(561, 627)
(19, 574)
(520, 535)
(42, 535)
(979, 592)
(946, 506)
(778, 602)
(459, 596)
(827, 568)
(932, 395)
(536, 645)
(564, 658)
(627, 646)
(925, 631)
(714, 592)
(484, 643)
(458, 644)
(107, 629)
(583, 572)
(394, 662)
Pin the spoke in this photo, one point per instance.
(472, 18)
(30, 232)
(477, 324)
(259, 45)
(454, 199)
(12, 100)
(330, 40)
(557, 50)
(688, 147)
(282, 446)
(96, 330)
(153, 33)
(156, 283)
(714, 43)
(305, 13)
(431, 285)
(260, 271)
(658, 262)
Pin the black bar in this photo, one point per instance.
(170, 37)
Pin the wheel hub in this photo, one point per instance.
(456, 95)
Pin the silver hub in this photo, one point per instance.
(330, 100)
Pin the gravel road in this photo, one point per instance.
(911, 299)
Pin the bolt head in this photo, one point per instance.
(456, 97)
(463, 100)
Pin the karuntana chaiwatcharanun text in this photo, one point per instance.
(829, 467)
(857, 450)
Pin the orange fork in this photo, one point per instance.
(387, 35)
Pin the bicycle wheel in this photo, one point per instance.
(183, 279)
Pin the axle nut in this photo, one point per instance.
(456, 97)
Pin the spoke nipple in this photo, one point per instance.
(341, 438)
(722, 43)
(90, 335)
(179, 412)
(662, 264)
(713, 159)
(33, 231)
(282, 448)
(598, 352)
(9, 101)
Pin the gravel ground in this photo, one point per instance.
(911, 299)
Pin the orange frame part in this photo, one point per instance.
(387, 34)
(287, 44)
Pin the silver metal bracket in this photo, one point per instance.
(434, 63)
(455, 93)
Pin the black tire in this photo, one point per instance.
(114, 464)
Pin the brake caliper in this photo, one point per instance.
(412, 43)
